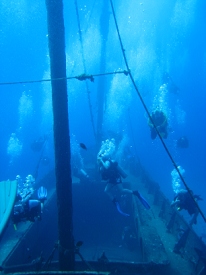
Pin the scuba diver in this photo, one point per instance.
(112, 173)
(160, 120)
(26, 208)
(182, 142)
(184, 200)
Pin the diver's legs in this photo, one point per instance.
(136, 193)
(124, 190)
(108, 190)
(194, 218)
(163, 132)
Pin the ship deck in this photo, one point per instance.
(101, 229)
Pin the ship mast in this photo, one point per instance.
(56, 36)
(101, 91)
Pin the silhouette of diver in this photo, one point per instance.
(160, 120)
(182, 142)
(113, 174)
(184, 200)
(27, 208)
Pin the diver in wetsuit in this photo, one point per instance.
(183, 200)
(159, 118)
(26, 208)
(182, 142)
(113, 174)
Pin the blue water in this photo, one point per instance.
(157, 37)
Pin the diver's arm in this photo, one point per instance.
(164, 122)
(105, 164)
(173, 203)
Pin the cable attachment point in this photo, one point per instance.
(84, 77)
(126, 72)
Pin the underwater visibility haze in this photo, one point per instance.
(164, 46)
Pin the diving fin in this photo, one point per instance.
(119, 209)
(143, 201)
(42, 193)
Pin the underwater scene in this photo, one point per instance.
(102, 145)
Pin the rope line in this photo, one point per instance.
(80, 77)
(84, 65)
(150, 118)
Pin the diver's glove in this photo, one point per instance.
(143, 201)
(119, 209)
(42, 193)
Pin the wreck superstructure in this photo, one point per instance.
(163, 242)
(155, 241)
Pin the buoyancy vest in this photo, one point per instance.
(111, 173)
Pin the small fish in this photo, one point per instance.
(83, 146)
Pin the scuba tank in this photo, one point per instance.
(121, 172)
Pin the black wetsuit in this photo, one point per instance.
(186, 202)
(111, 174)
(160, 121)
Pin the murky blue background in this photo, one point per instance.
(157, 37)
